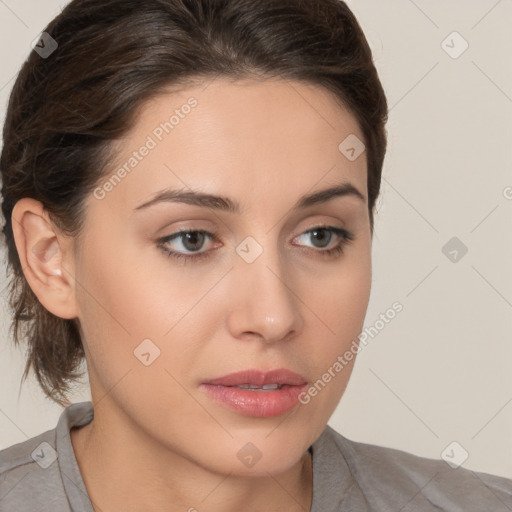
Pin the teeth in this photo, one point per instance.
(253, 386)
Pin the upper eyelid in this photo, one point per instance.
(215, 233)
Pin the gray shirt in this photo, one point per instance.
(41, 475)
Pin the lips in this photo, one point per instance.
(257, 393)
(258, 378)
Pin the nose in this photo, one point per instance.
(265, 305)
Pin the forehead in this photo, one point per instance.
(247, 138)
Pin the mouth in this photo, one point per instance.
(267, 387)
(257, 393)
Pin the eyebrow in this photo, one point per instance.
(226, 204)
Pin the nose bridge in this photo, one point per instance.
(266, 303)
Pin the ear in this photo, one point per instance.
(46, 257)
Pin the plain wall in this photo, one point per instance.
(439, 371)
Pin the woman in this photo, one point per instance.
(188, 188)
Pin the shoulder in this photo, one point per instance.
(403, 481)
(41, 473)
(29, 477)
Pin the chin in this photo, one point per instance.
(261, 456)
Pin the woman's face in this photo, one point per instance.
(263, 292)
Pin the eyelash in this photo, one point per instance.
(346, 238)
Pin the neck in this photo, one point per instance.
(144, 475)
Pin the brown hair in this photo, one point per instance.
(66, 109)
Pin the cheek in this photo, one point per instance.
(133, 302)
(341, 297)
(338, 309)
(341, 306)
(118, 307)
(130, 288)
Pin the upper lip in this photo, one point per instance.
(260, 378)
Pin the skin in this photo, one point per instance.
(158, 440)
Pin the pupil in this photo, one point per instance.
(322, 230)
(193, 238)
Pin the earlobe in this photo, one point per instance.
(44, 256)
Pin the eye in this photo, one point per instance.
(192, 241)
(324, 234)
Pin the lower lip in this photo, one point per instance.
(262, 404)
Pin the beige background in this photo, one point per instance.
(440, 370)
